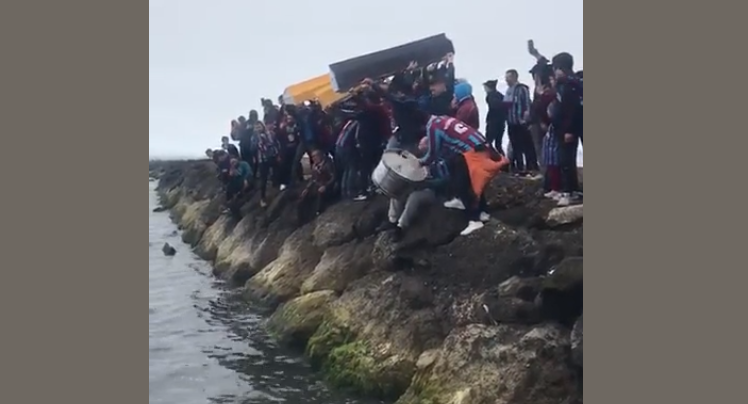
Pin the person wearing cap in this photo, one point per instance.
(496, 116)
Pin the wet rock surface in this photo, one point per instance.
(383, 318)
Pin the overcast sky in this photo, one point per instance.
(211, 61)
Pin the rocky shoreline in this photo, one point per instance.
(494, 317)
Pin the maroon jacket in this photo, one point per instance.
(467, 112)
(540, 105)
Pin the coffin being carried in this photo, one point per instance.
(347, 74)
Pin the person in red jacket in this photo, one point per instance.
(466, 110)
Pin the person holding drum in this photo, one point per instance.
(402, 211)
(472, 163)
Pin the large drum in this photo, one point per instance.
(398, 174)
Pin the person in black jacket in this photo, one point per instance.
(496, 116)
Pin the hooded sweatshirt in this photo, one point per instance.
(467, 110)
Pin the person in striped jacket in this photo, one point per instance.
(517, 102)
(472, 163)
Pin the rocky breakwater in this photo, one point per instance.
(494, 317)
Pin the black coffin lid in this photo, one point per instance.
(350, 72)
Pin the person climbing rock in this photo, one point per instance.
(471, 162)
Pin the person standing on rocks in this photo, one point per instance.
(517, 102)
(496, 117)
(464, 104)
(347, 157)
(248, 140)
(568, 124)
(268, 155)
(288, 134)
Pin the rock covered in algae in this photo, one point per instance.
(296, 320)
(504, 364)
(373, 335)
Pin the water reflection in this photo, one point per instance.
(206, 345)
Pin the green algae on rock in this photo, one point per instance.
(504, 364)
(297, 320)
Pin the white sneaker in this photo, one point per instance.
(360, 198)
(567, 199)
(484, 217)
(283, 187)
(471, 227)
(552, 195)
(454, 204)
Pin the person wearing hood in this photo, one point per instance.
(496, 116)
(464, 104)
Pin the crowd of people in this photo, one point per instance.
(428, 112)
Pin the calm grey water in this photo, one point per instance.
(207, 346)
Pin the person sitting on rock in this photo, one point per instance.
(472, 163)
(402, 212)
(239, 175)
(320, 188)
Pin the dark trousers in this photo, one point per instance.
(348, 165)
(234, 187)
(495, 134)
(369, 156)
(523, 148)
(314, 203)
(460, 187)
(267, 168)
(568, 164)
(290, 169)
(297, 170)
(250, 157)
